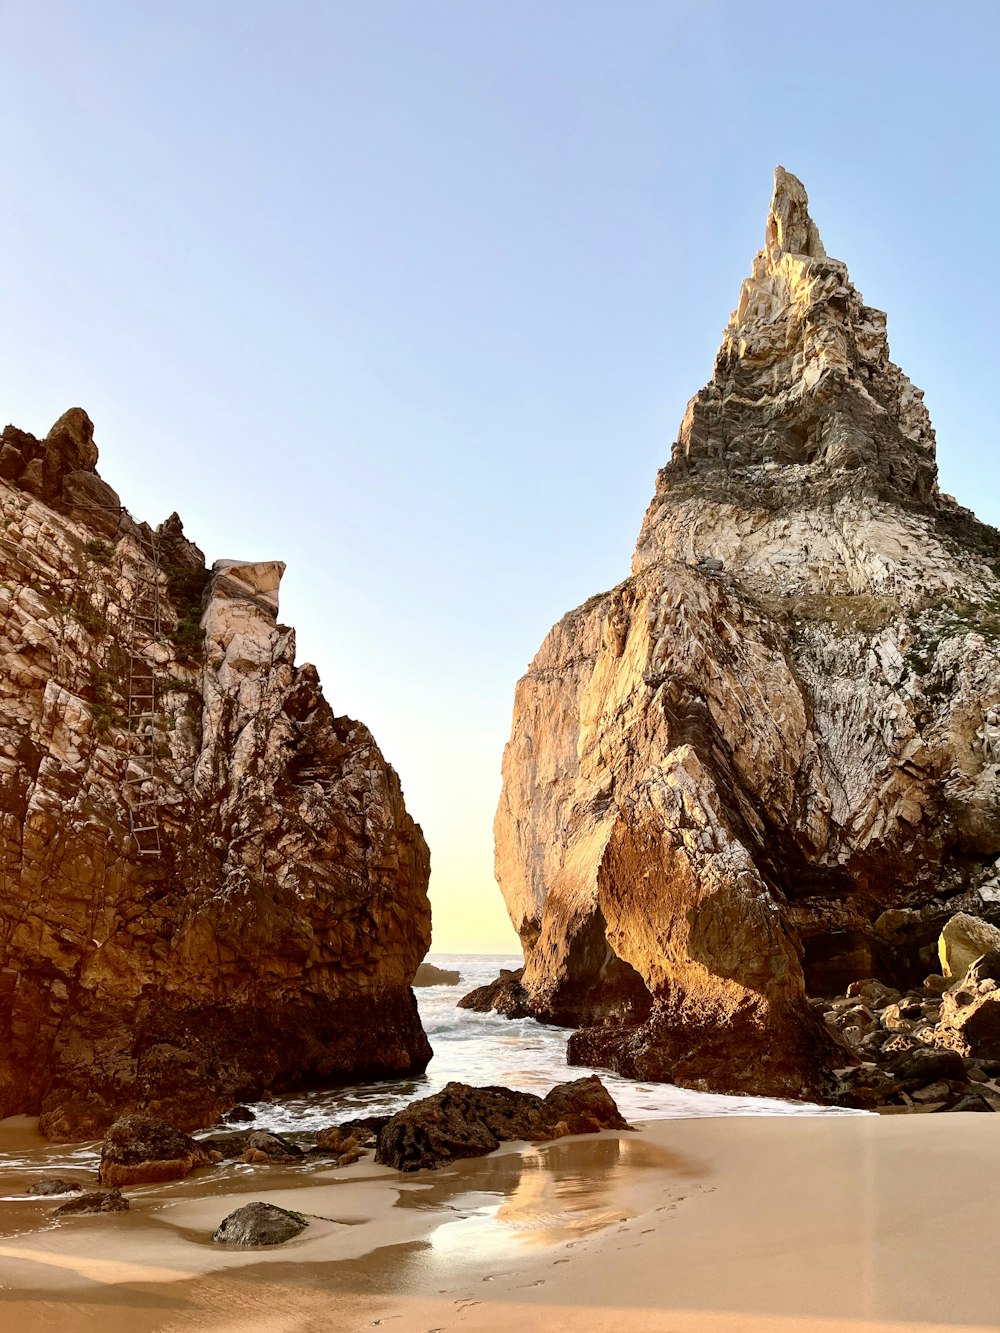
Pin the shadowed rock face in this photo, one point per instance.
(766, 763)
(272, 942)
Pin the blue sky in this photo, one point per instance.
(412, 296)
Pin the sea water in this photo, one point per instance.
(518, 1053)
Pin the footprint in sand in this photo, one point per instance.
(539, 1283)
(467, 1303)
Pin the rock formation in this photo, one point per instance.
(209, 883)
(463, 1121)
(766, 764)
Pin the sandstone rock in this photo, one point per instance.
(54, 1186)
(964, 939)
(462, 1121)
(723, 791)
(96, 1201)
(429, 975)
(259, 1224)
(970, 1024)
(272, 941)
(139, 1150)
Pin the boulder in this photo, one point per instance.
(238, 1115)
(260, 1146)
(463, 1121)
(259, 1224)
(505, 996)
(139, 1150)
(964, 939)
(874, 994)
(429, 975)
(970, 1022)
(96, 1201)
(918, 1068)
(972, 1101)
(54, 1185)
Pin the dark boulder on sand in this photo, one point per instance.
(259, 1224)
(462, 1121)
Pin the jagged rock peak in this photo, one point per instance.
(803, 377)
(789, 226)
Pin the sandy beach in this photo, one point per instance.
(871, 1224)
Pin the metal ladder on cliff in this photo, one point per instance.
(143, 623)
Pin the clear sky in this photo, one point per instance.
(412, 295)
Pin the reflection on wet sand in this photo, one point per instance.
(393, 1236)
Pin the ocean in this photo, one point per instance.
(515, 1053)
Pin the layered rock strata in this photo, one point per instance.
(767, 762)
(209, 883)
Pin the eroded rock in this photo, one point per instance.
(726, 788)
(264, 929)
(964, 939)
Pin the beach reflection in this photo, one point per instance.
(544, 1195)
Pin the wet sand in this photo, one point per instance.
(794, 1225)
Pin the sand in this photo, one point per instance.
(739, 1225)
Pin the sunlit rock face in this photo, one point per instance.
(272, 941)
(766, 763)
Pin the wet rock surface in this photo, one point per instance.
(94, 1201)
(766, 764)
(506, 996)
(259, 1224)
(209, 884)
(42, 1188)
(139, 1150)
(463, 1121)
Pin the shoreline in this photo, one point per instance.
(793, 1224)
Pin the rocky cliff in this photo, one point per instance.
(209, 884)
(766, 763)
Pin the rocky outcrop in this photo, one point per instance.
(209, 883)
(506, 995)
(462, 1121)
(766, 763)
(429, 975)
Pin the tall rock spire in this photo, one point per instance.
(763, 766)
(803, 376)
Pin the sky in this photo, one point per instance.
(411, 294)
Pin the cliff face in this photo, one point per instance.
(209, 884)
(767, 763)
